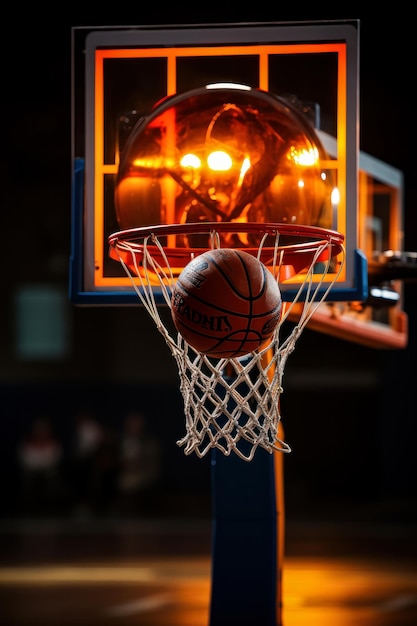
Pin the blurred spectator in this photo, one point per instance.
(39, 457)
(104, 471)
(87, 438)
(139, 465)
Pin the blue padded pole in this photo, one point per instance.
(247, 536)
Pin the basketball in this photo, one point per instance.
(226, 303)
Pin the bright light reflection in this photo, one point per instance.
(219, 161)
(153, 163)
(335, 196)
(304, 157)
(245, 166)
(190, 160)
(228, 86)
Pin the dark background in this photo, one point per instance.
(349, 412)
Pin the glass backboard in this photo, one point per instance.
(119, 76)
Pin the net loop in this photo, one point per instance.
(233, 405)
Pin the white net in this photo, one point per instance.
(231, 404)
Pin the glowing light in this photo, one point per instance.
(335, 196)
(305, 157)
(228, 86)
(219, 161)
(190, 160)
(154, 163)
(245, 166)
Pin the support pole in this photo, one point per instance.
(247, 539)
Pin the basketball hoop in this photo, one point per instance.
(232, 404)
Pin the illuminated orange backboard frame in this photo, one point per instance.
(130, 59)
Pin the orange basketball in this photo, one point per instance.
(226, 303)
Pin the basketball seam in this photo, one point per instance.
(247, 273)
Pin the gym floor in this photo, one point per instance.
(150, 572)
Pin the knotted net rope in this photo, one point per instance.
(230, 404)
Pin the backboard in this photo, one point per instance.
(119, 74)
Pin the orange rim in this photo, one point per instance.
(130, 245)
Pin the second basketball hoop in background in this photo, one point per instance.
(226, 303)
